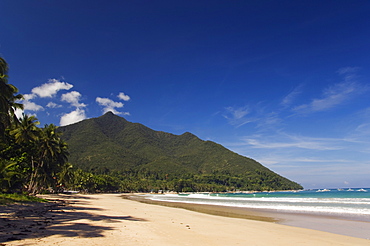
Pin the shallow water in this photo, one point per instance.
(333, 202)
(336, 211)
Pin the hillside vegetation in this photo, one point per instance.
(142, 159)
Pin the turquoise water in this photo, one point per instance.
(344, 202)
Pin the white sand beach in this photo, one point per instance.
(107, 219)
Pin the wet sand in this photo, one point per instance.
(349, 226)
(107, 219)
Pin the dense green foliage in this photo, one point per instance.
(31, 158)
(142, 181)
(111, 154)
(8, 99)
(142, 159)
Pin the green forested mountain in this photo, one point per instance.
(110, 144)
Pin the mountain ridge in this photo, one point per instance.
(110, 143)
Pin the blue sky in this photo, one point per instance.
(283, 82)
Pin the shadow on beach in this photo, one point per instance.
(57, 217)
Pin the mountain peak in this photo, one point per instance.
(188, 135)
(108, 113)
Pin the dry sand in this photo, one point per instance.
(107, 219)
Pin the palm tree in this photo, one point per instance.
(8, 100)
(51, 156)
(6, 174)
(66, 176)
(26, 131)
(25, 137)
(45, 152)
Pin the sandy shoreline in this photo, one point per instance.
(108, 219)
(353, 226)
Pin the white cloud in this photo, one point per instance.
(28, 105)
(77, 115)
(53, 105)
(363, 130)
(347, 70)
(109, 105)
(31, 106)
(45, 90)
(18, 112)
(260, 115)
(123, 97)
(288, 100)
(28, 97)
(51, 88)
(292, 141)
(336, 94)
(72, 117)
(73, 98)
(332, 97)
(237, 116)
(282, 160)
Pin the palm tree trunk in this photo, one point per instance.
(30, 185)
(32, 188)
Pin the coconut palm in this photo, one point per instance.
(45, 152)
(25, 136)
(6, 174)
(8, 100)
(51, 156)
(26, 131)
(65, 176)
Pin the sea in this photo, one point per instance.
(342, 202)
(340, 211)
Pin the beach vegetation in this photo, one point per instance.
(31, 157)
(19, 198)
(8, 101)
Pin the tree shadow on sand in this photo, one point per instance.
(37, 220)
